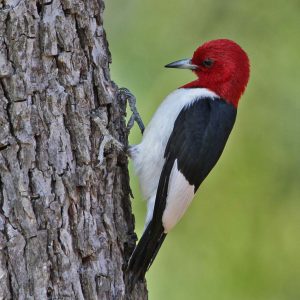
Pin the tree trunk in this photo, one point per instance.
(66, 228)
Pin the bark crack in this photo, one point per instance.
(3, 147)
(9, 116)
(8, 51)
(5, 249)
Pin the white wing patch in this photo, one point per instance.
(150, 209)
(180, 195)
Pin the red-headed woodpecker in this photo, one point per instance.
(184, 141)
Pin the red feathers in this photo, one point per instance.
(223, 67)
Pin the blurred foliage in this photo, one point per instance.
(241, 237)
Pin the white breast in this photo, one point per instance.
(148, 156)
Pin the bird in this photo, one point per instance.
(184, 140)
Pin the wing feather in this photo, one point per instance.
(180, 195)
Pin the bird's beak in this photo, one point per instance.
(182, 64)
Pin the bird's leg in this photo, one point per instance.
(125, 95)
(108, 140)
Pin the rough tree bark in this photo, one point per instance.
(66, 228)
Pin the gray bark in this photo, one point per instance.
(66, 228)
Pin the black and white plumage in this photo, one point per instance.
(180, 146)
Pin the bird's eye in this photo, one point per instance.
(207, 63)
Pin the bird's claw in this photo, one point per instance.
(108, 140)
(125, 95)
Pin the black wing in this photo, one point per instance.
(197, 141)
(199, 136)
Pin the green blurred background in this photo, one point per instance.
(240, 238)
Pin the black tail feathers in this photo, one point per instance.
(144, 253)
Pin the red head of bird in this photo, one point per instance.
(221, 66)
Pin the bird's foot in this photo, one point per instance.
(125, 95)
(108, 140)
(132, 151)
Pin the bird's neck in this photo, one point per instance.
(225, 90)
